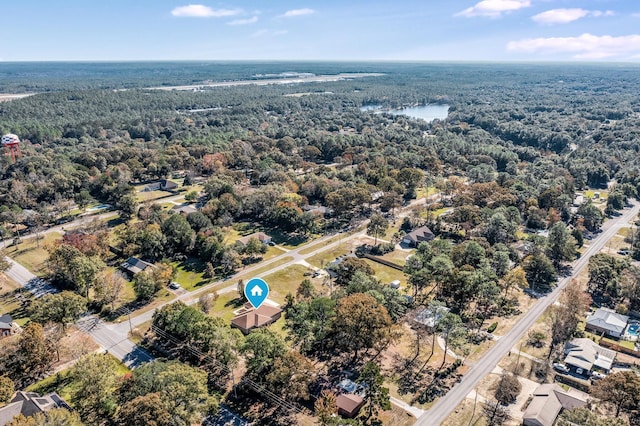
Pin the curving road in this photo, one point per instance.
(445, 405)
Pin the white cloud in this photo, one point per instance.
(298, 12)
(636, 15)
(202, 11)
(564, 16)
(494, 8)
(247, 21)
(268, 33)
(586, 46)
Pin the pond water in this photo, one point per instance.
(424, 112)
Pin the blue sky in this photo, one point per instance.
(410, 30)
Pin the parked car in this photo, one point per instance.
(623, 252)
(174, 285)
(597, 375)
(560, 367)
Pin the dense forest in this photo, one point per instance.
(518, 143)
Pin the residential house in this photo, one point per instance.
(260, 236)
(584, 355)
(133, 265)
(349, 404)
(29, 404)
(7, 326)
(607, 321)
(417, 236)
(249, 318)
(547, 403)
(185, 209)
(431, 317)
(161, 185)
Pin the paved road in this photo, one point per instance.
(445, 405)
(114, 341)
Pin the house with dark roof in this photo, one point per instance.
(417, 236)
(584, 356)
(29, 404)
(161, 185)
(133, 265)
(607, 321)
(547, 402)
(7, 326)
(349, 404)
(249, 318)
(185, 209)
(260, 236)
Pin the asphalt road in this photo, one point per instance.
(445, 405)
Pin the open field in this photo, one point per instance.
(386, 274)
(32, 254)
(190, 273)
(285, 281)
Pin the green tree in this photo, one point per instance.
(377, 396)
(178, 233)
(539, 272)
(378, 225)
(181, 388)
(309, 323)
(261, 348)
(55, 417)
(34, 353)
(499, 229)
(108, 287)
(306, 290)
(95, 379)
(450, 327)
(61, 308)
(128, 206)
(591, 215)
(515, 278)
(621, 390)
(145, 285)
(361, 323)
(254, 247)
(7, 389)
(145, 410)
(561, 246)
(290, 376)
(152, 242)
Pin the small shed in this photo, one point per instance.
(349, 404)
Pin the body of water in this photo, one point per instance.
(424, 112)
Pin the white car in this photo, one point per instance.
(595, 375)
(174, 285)
(561, 367)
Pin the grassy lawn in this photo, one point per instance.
(263, 269)
(321, 259)
(285, 281)
(272, 252)
(32, 257)
(386, 274)
(315, 246)
(225, 305)
(190, 273)
(397, 256)
(151, 195)
(285, 240)
(12, 297)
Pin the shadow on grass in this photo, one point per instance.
(235, 303)
(293, 239)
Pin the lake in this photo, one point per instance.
(424, 112)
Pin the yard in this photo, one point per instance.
(13, 299)
(32, 254)
(285, 281)
(190, 273)
(386, 274)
